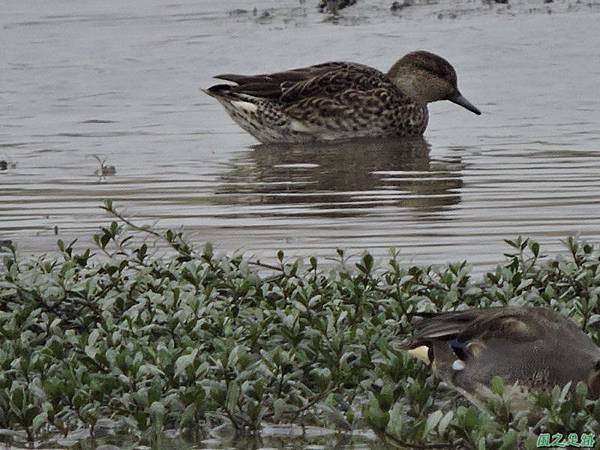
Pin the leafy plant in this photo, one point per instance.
(192, 340)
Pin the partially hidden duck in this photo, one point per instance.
(532, 346)
(340, 100)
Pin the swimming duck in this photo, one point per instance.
(532, 346)
(340, 100)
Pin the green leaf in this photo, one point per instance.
(497, 385)
(185, 361)
(510, 440)
(233, 394)
(445, 421)
(39, 421)
(157, 409)
(432, 421)
(376, 417)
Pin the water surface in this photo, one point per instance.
(121, 81)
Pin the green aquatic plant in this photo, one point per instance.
(194, 339)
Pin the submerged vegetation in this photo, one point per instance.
(198, 341)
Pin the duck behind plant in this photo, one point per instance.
(340, 100)
(534, 347)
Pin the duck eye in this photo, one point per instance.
(459, 349)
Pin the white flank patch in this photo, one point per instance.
(245, 106)
(458, 365)
(296, 125)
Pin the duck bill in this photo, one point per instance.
(421, 353)
(460, 100)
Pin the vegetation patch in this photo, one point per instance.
(116, 338)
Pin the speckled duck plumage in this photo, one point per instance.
(340, 100)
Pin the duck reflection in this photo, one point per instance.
(342, 179)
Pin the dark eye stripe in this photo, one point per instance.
(460, 349)
(446, 73)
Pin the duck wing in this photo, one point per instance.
(321, 80)
(481, 324)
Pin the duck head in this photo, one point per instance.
(427, 78)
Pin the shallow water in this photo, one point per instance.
(121, 81)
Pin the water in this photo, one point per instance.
(121, 80)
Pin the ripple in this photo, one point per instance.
(122, 83)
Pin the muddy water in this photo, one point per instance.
(120, 80)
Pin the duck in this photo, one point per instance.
(340, 100)
(528, 347)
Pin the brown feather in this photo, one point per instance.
(533, 346)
